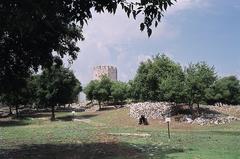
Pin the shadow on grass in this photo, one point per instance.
(36, 115)
(9, 123)
(69, 109)
(86, 151)
(107, 108)
(33, 113)
(71, 117)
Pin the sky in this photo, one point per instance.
(190, 31)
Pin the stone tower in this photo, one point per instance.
(109, 71)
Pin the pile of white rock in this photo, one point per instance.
(151, 110)
(159, 110)
(210, 119)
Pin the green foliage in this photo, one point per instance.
(89, 89)
(16, 98)
(106, 90)
(225, 90)
(57, 85)
(99, 90)
(32, 86)
(199, 77)
(119, 91)
(17, 94)
(53, 86)
(158, 79)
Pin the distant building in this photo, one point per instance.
(109, 71)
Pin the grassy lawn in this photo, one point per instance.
(89, 138)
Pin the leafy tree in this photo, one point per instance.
(119, 91)
(106, 90)
(133, 91)
(7, 100)
(32, 86)
(225, 90)
(57, 85)
(142, 87)
(16, 93)
(173, 87)
(89, 89)
(102, 92)
(158, 79)
(199, 77)
(32, 32)
(15, 99)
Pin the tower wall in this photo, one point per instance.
(109, 71)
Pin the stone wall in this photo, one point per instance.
(157, 110)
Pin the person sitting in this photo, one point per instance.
(143, 120)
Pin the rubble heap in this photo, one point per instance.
(209, 119)
(159, 110)
(150, 110)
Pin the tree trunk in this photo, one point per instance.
(17, 115)
(53, 113)
(10, 110)
(99, 103)
(198, 109)
(191, 108)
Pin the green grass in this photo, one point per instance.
(41, 138)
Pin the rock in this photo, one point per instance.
(216, 122)
(130, 134)
(83, 120)
(150, 110)
(189, 120)
(151, 154)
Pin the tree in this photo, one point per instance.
(225, 90)
(15, 99)
(173, 87)
(198, 78)
(119, 91)
(37, 33)
(57, 85)
(142, 87)
(106, 90)
(158, 79)
(133, 91)
(32, 87)
(89, 89)
(3, 102)
(16, 93)
(102, 92)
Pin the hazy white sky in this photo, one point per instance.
(192, 30)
